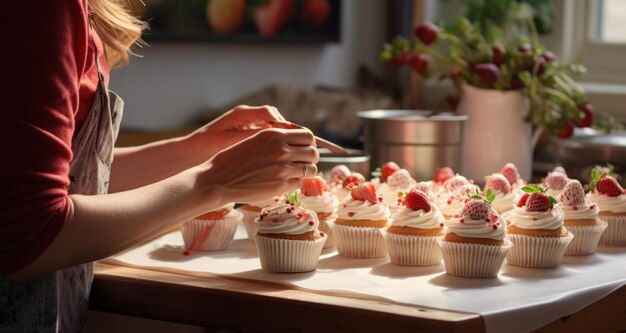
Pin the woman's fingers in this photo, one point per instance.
(259, 116)
(299, 138)
(302, 154)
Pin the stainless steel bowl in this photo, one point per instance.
(417, 140)
(355, 160)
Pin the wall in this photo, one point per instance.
(173, 81)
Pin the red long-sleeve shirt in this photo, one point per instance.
(50, 78)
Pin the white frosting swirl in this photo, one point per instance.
(503, 202)
(608, 204)
(550, 220)
(448, 203)
(477, 228)
(325, 203)
(282, 218)
(340, 192)
(350, 209)
(390, 194)
(584, 211)
(406, 217)
(266, 202)
(553, 192)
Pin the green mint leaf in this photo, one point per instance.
(490, 196)
(552, 201)
(595, 174)
(402, 195)
(293, 198)
(532, 188)
(476, 196)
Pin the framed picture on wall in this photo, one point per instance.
(265, 21)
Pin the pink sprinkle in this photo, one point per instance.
(486, 220)
(321, 234)
(534, 219)
(351, 214)
(186, 253)
(311, 223)
(462, 221)
(495, 227)
(345, 206)
(574, 207)
(441, 224)
(449, 202)
(456, 216)
(380, 199)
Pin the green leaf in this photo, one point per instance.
(595, 174)
(490, 196)
(476, 196)
(532, 188)
(293, 198)
(552, 200)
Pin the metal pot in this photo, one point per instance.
(355, 160)
(418, 141)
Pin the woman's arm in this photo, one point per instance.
(134, 167)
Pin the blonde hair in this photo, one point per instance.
(118, 29)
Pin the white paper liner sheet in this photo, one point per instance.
(408, 250)
(248, 221)
(518, 300)
(537, 252)
(585, 240)
(473, 260)
(288, 256)
(615, 233)
(326, 226)
(220, 233)
(360, 242)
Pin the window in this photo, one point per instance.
(609, 24)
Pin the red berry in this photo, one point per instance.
(548, 56)
(587, 119)
(455, 74)
(555, 181)
(488, 73)
(539, 68)
(498, 184)
(497, 55)
(365, 192)
(573, 194)
(419, 63)
(525, 49)
(442, 174)
(509, 171)
(337, 173)
(609, 186)
(400, 60)
(387, 170)
(417, 200)
(453, 101)
(352, 181)
(538, 202)
(426, 32)
(313, 186)
(516, 83)
(522, 200)
(567, 130)
(476, 210)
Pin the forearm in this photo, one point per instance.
(134, 167)
(104, 225)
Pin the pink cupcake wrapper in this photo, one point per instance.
(289, 256)
(473, 260)
(248, 221)
(217, 234)
(585, 240)
(408, 250)
(615, 233)
(326, 226)
(360, 242)
(537, 252)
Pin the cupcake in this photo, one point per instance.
(440, 177)
(342, 189)
(450, 199)
(287, 237)
(475, 243)
(509, 171)
(380, 175)
(415, 228)
(213, 231)
(554, 183)
(337, 174)
(313, 196)
(501, 188)
(581, 219)
(535, 226)
(252, 210)
(360, 226)
(609, 195)
(399, 182)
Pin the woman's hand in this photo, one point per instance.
(271, 162)
(233, 126)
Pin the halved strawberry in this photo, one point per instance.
(401, 179)
(555, 180)
(476, 210)
(387, 170)
(353, 180)
(365, 192)
(498, 184)
(572, 194)
(509, 171)
(538, 202)
(312, 187)
(609, 186)
(442, 174)
(522, 200)
(417, 200)
(337, 173)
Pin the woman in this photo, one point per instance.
(63, 203)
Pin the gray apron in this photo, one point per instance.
(59, 301)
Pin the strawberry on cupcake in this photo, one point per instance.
(607, 192)
(554, 183)
(380, 175)
(314, 196)
(397, 183)
(537, 231)
(503, 191)
(341, 188)
(415, 228)
(361, 223)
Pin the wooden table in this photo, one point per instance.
(251, 306)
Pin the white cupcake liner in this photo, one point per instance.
(360, 242)
(585, 240)
(615, 233)
(287, 255)
(248, 221)
(409, 250)
(473, 260)
(219, 233)
(326, 226)
(537, 252)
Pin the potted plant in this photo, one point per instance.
(505, 80)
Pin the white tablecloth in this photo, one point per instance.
(519, 300)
